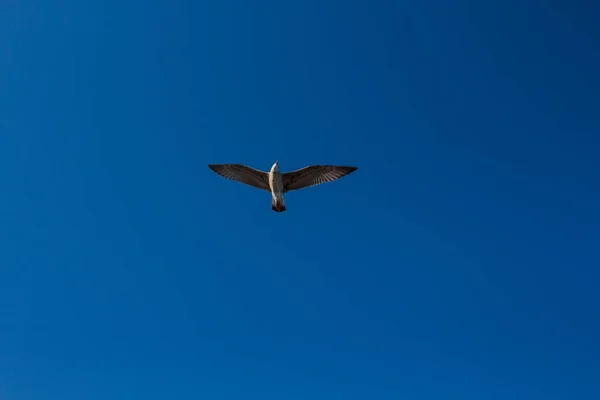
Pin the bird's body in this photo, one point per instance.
(276, 186)
(277, 183)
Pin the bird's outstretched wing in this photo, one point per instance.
(314, 175)
(243, 174)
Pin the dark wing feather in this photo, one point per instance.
(314, 175)
(242, 173)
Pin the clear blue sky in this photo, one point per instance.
(459, 262)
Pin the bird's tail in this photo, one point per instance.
(277, 206)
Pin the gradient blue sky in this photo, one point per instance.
(459, 262)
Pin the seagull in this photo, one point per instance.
(279, 183)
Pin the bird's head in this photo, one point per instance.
(275, 166)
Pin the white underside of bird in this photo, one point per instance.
(276, 186)
(278, 183)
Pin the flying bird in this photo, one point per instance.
(279, 183)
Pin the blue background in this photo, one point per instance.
(459, 262)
